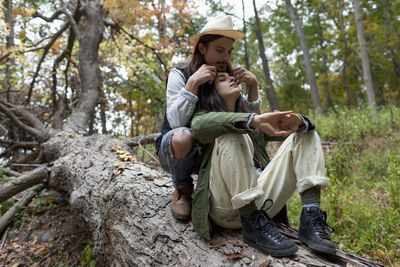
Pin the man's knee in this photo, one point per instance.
(181, 143)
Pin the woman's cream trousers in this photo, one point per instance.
(299, 163)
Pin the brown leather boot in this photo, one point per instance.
(181, 204)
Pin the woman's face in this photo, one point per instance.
(226, 87)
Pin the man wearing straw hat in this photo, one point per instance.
(175, 147)
(177, 151)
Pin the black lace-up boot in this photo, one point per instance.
(314, 231)
(260, 232)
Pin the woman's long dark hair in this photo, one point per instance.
(210, 100)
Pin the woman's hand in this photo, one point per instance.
(206, 73)
(278, 123)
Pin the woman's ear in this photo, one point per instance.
(202, 48)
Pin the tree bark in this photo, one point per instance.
(366, 65)
(269, 90)
(307, 58)
(394, 56)
(88, 67)
(345, 54)
(325, 60)
(23, 182)
(10, 62)
(246, 55)
(126, 207)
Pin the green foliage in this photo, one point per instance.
(362, 201)
(87, 258)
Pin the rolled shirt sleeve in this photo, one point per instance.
(253, 105)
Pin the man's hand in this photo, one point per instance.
(278, 123)
(243, 75)
(206, 73)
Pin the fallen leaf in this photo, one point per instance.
(10, 257)
(40, 250)
(236, 256)
(17, 264)
(35, 238)
(216, 242)
(239, 244)
(265, 263)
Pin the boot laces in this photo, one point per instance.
(319, 224)
(265, 224)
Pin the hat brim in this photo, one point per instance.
(234, 34)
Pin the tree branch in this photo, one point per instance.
(142, 140)
(27, 115)
(7, 217)
(119, 27)
(73, 23)
(46, 50)
(48, 19)
(42, 136)
(23, 182)
(10, 172)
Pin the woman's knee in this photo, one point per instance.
(181, 143)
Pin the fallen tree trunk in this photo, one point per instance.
(23, 182)
(126, 207)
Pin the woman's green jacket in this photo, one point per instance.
(206, 127)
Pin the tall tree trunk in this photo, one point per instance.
(345, 54)
(307, 58)
(269, 90)
(10, 64)
(246, 55)
(366, 66)
(325, 61)
(395, 61)
(88, 67)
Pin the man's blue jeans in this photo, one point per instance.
(180, 169)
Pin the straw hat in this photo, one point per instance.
(220, 25)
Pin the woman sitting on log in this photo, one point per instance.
(229, 189)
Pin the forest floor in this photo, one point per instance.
(46, 233)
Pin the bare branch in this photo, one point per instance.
(46, 50)
(7, 217)
(10, 172)
(142, 140)
(119, 27)
(155, 78)
(27, 115)
(58, 113)
(23, 182)
(16, 145)
(41, 136)
(73, 23)
(48, 19)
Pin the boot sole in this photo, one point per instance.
(180, 217)
(316, 247)
(274, 253)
